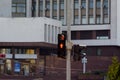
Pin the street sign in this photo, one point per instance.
(17, 67)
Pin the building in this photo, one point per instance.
(22, 42)
(94, 23)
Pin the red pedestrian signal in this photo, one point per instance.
(61, 46)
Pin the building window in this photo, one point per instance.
(105, 3)
(18, 8)
(90, 3)
(98, 3)
(105, 12)
(54, 9)
(83, 3)
(98, 19)
(91, 19)
(76, 4)
(54, 4)
(33, 8)
(102, 34)
(47, 8)
(62, 11)
(61, 4)
(40, 7)
(76, 7)
(85, 34)
(62, 19)
(73, 35)
(76, 20)
(83, 21)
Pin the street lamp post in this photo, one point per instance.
(68, 44)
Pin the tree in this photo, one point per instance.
(114, 69)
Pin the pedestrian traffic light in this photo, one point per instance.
(61, 46)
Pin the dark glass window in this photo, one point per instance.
(100, 34)
(83, 20)
(85, 34)
(73, 35)
(18, 8)
(33, 8)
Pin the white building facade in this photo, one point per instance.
(29, 30)
(22, 42)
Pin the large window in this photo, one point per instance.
(83, 19)
(83, 3)
(18, 8)
(47, 8)
(90, 3)
(62, 11)
(76, 4)
(100, 34)
(91, 19)
(33, 8)
(40, 7)
(76, 7)
(98, 3)
(98, 19)
(61, 4)
(54, 9)
(76, 20)
(105, 11)
(85, 34)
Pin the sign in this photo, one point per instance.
(17, 67)
(2, 55)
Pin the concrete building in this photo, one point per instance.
(94, 23)
(22, 42)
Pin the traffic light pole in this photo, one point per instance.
(68, 44)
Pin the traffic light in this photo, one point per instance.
(61, 46)
(77, 52)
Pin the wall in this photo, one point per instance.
(118, 21)
(24, 29)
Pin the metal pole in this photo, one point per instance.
(68, 62)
